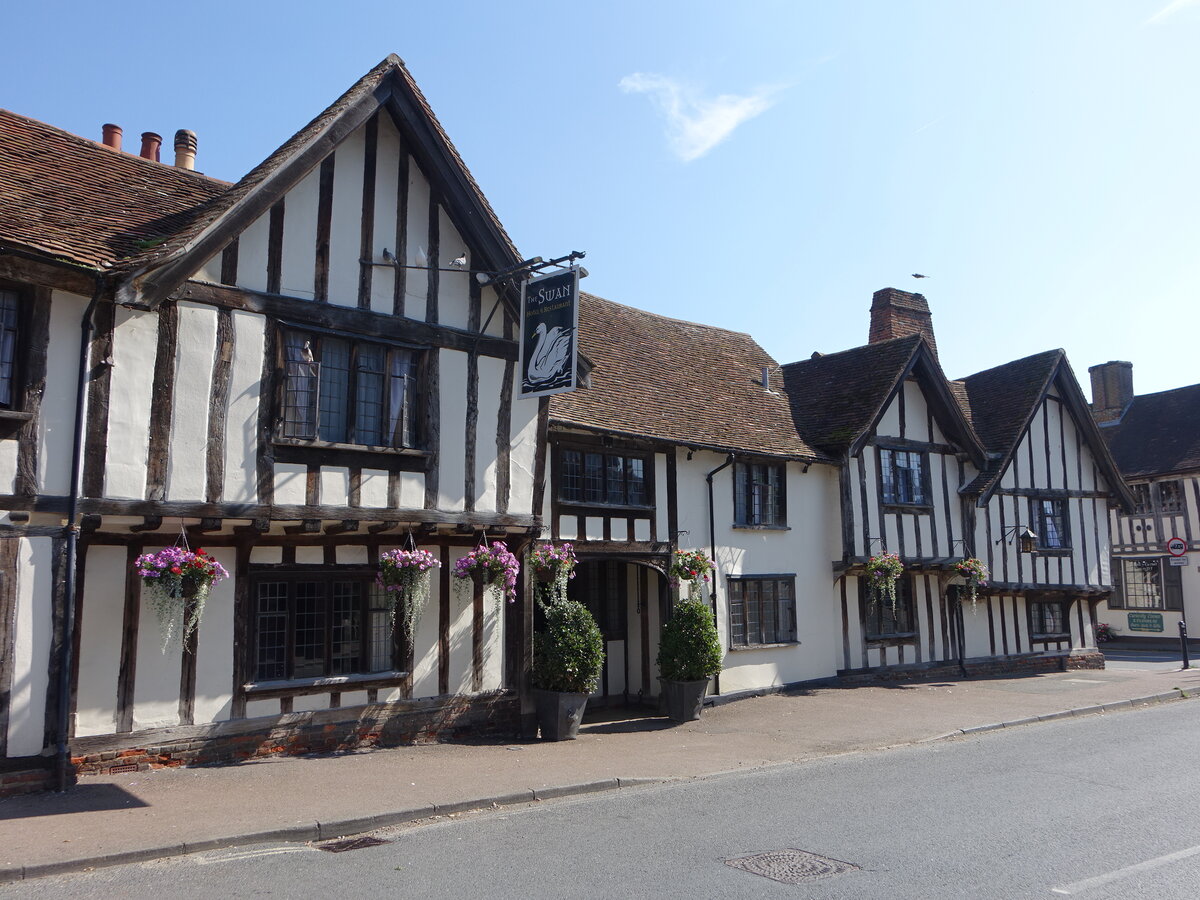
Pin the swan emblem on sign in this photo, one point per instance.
(551, 354)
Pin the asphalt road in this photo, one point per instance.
(1097, 807)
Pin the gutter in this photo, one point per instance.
(71, 533)
(712, 549)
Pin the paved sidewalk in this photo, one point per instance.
(144, 815)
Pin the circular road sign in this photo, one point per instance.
(1177, 546)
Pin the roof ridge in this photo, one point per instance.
(872, 344)
(1059, 351)
(646, 312)
(121, 154)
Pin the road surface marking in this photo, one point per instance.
(1078, 887)
(234, 855)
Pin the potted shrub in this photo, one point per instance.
(975, 573)
(177, 582)
(404, 574)
(689, 654)
(493, 565)
(567, 658)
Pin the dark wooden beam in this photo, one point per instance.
(367, 227)
(218, 406)
(324, 227)
(164, 398)
(49, 273)
(209, 523)
(149, 523)
(308, 526)
(275, 246)
(346, 525)
(37, 325)
(347, 319)
(95, 445)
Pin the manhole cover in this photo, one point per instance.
(791, 866)
(352, 844)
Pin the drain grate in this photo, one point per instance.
(357, 843)
(791, 866)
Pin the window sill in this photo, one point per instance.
(735, 648)
(908, 507)
(265, 690)
(1053, 551)
(906, 637)
(358, 448)
(11, 421)
(1048, 638)
(582, 507)
(739, 526)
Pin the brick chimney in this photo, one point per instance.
(112, 135)
(896, 313)
(1112, 389)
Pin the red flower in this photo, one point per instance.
(201, 553)
(175, 570)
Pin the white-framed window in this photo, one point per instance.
(1048, 619)
(1051, 523)
(1146, 583)
(903, 477)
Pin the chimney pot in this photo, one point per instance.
(766, 379)
(185, 149)
(112, 135)
(896, 314)
(150, 144)
(1112, 389)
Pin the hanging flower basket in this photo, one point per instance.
(177, 582)
(404, 574)
(493, 565)
(975, 573)
(691, 566)
(553, 566)
(882, 573)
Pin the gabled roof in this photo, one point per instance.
(837, 399)
(1000, 403)
(76, 200)
(388, 86)
(1159, 434)
(676, 381)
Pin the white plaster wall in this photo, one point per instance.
(345, 234)
(188, 443)
(241, 420)
(252, 253)
(383, 278)
(416, 281)
(496, 325)
(461, 618)
(351, 555)
(491, 382)
(373, 488)
(976, 628)
(523, 456)
(210, 271)
(8, 465)
(31, 646)
(916, 412)
(214, 646)
(805, 550)
(453, 298)
(310, 556)
(453, 405)
(412, 490)
(335, 486)
(889, 423)
(131, 397)
(291, 483)
(56, 422)
(101, 619)
(297, 269)
(156, 677)
(425, 646)
(263, 556)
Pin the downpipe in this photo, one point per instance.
(712, 550)
(71, 535)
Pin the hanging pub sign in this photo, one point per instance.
(549, 325)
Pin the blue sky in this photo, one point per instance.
(762, 166)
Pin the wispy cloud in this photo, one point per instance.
(696, 124)
(1169, 10)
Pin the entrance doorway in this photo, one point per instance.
(627, 600)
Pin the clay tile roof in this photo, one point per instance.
(676, 381)
(81, 201)
(836, 397)
(999, 401)
(1159, 433)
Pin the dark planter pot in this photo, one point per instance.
(683, 700)
(559, 714)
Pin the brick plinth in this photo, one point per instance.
(328, 731)
(1030, 664)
